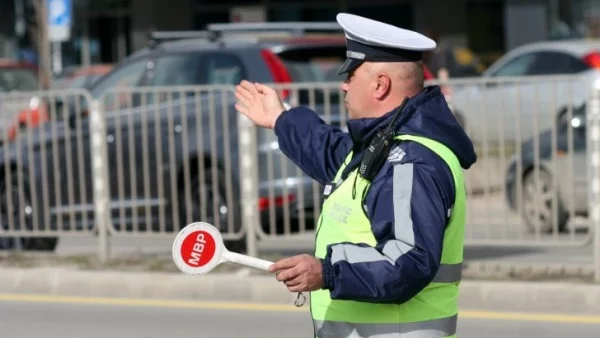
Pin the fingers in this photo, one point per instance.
(293, 282)
(242, 109)
(288, 274)
(249, 87)
(242, 99)
(285, 263)
(297, 284)
(297, 288)
(244, 94)
(264, 89)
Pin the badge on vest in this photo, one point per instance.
(327, 190)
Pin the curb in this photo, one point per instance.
(541, 297)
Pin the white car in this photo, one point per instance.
(527, 90)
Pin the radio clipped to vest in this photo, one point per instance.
(378, 150)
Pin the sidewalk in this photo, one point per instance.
(542, 297)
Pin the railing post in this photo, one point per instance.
(100, 178)
(249, 181)
(593, 158)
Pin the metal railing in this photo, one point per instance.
(148, 161)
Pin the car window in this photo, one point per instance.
(78, 82)
(127, 76)
(223, 69)
(17, 79)
(519, 66)
(182, 69)
(314, 64)
(554, 63)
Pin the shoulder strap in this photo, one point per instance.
(444, 152)
(338, 176)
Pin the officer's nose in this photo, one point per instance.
(344, 86)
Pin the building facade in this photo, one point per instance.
(106, 31)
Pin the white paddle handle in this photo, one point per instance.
(250, 261)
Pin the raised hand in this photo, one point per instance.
(260, 103)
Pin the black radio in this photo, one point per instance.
(378, 151)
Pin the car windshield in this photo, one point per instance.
(17, 79)
(314, 64)
(75, 82)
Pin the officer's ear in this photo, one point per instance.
(383, 86)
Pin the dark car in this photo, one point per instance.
(557, 171)
(172, 149)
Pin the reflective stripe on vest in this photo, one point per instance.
(444, 327)
(430, 313)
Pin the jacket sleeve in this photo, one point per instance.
(316, 147)
(408, 217)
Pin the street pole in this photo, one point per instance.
(44, 65)
(593, 149)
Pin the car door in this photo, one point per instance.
(557, 89)
(492, 110)
(511, 99)
(156, 132)
(114, 93)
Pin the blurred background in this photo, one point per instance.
(106, 31)
(520, 76)
(118, 128)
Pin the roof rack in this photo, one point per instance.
(291, 27)
(158, 37)
(218, 31)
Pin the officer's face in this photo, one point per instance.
(357, 92)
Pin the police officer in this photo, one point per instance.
(389, 246)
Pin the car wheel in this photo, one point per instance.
(537, 203)
(213, 194)
(13, 206)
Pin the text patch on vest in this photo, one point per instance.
(339, 213)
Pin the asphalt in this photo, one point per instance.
(57, 319)
(562, 256)
(579, 298)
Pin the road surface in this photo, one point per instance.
(48, 317)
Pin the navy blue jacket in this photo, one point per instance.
(408, 202)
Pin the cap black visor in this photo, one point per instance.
(349, 65)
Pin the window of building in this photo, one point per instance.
(302, 13)
(400, 15)
(568, 19)
(205, 17)
(485, 26)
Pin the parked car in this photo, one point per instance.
(136, 125)
(15, 76)
(525, 90)
(555, 172)
(37, 111)
(80, 76)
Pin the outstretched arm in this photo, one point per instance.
(316, 147)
